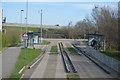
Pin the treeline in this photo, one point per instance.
(103, 20)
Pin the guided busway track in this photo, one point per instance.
(83, 52)
(68, 64)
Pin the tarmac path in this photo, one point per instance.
(9, 58)
(0, 65)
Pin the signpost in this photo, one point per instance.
(25, 37)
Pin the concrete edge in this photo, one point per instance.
(21, 70)
(36, 60)
(21, 77)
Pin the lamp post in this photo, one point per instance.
(26, 29)
(97, 21)
(84, 21)
(41, 27)
(21, 23)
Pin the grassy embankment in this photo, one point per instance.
(31, 54)
(12, 35)
(111, 53)
(30, 28)
(54, 50)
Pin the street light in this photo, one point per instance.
(21, 23)
(26, 16)
(41, 26)
(84, 21)
(26, 29)
(96, 7)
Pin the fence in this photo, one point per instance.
(109, 61)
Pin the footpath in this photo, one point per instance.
(9, 58)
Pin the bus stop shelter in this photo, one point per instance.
(33, 38)
(97, 41)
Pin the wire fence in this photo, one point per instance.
(109, 61)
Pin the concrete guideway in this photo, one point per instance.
(50, 66)
(50, 70)
(38, 73)
(87, 69)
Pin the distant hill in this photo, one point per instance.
(31, 25)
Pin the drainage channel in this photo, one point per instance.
(68, 65)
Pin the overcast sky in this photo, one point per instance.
(53, 12)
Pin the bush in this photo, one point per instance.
(11, 37)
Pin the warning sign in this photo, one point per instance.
(24, 35)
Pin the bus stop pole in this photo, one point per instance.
(25, 46)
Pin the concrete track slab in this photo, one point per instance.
(39, 72)
(60, 72)
(50, 70)
(51, 65)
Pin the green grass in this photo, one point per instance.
(73, 76)
(45, 42)
(72, 50)
(85, 42)
(23, 28)
(113, 54)
(30, 28)
(54, 50)
(31, 54)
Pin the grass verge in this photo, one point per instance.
(72, 50)
(85, 42)
(73, 77)
(45, 42)
(54, 50)
(113, 54)
(31, 54)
